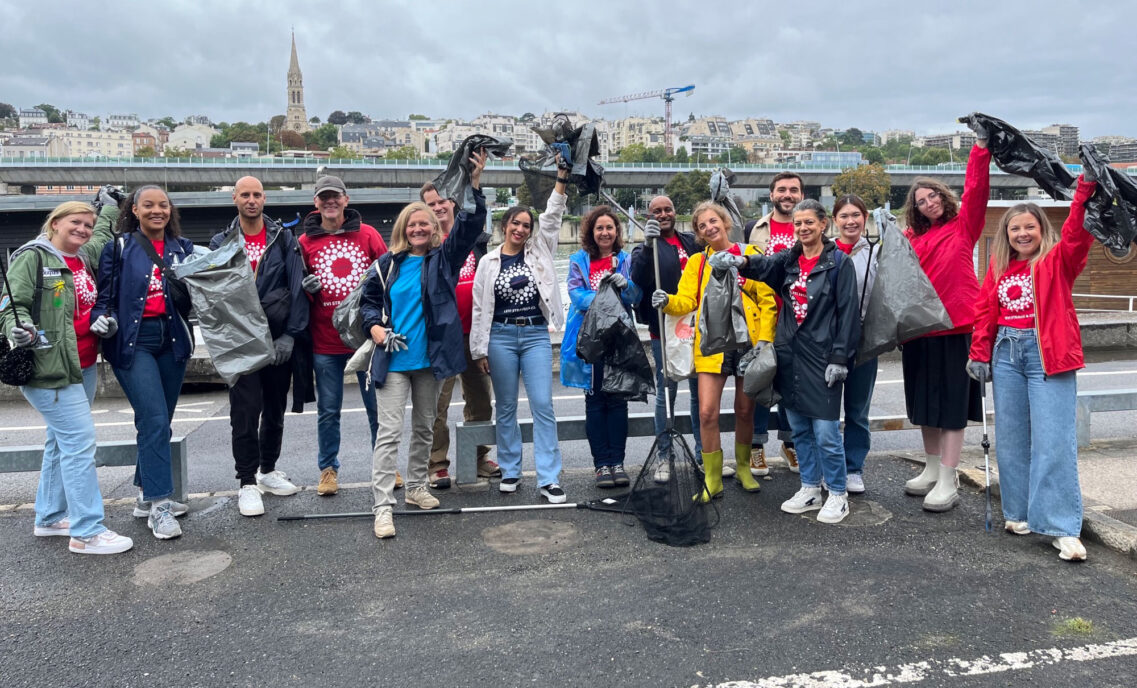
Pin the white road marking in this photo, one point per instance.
(937, 669)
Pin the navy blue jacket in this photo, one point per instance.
(444, 341)
(279, 272)
(643, 274)
(128, 283)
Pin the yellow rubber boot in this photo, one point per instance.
(712, 476)
(743, 476)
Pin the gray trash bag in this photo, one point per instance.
(233, 324)
(722, 318)
(761, 367)
(721, 179)
(1111, 213)
(903, 304)
(346, 317)
(454, 182)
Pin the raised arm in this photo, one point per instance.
(976, 192)
(468, 227)
(1076, 241)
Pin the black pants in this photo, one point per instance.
(256, 412)
(605, 423)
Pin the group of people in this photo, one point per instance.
(439, 307)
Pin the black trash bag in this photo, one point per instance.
(722, 318)
(454, 182)
(1015, 153)
(608, 336)
(721, 179)
(584, 171)
(1111, 213)
(17, 365)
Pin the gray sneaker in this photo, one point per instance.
(162, 522)
(142, 508)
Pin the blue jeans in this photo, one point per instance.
(329, 402)
(152, 384)
(858, 397)
(524, 352)
(661, 408)
(605, 423)
(68, 486)
(1037, 441)
(819, 451)
(762, 426)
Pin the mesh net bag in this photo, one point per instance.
(663, 497)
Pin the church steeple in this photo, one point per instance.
(295, 116)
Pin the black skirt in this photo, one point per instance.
(937, 390)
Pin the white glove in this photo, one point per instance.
(979, 371)
(616, 280)
(104, 326)
(394, 341)
(311, 284)
(659, 298)
(651, 230)
(22, 335)
(834, 373)
(723, 261)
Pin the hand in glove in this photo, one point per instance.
(616, 280)
(109, 195)
(749, 357)
(311, 284)
(282, 349)
(981, 132)
(659, 298)
(393, 342)
(723, 261)
(834, 373)
(22, 335)
(651, 230)
(104, 326)
(1087, 171)
(979, 371)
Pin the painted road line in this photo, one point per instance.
(937, 670)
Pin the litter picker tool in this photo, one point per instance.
(986, 455)
(594, 505)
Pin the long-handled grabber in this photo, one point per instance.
(986, 455)
(595, 505)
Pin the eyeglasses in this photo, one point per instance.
(923, 202)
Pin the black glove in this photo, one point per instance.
(282, 349)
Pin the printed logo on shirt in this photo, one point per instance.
(595, 277)
(154, 289)
(778, 242)
(85, 292)
(470, 267)
(340, 265)
(1016, 293)
(254, 251)
(799, 289)
(517, 293)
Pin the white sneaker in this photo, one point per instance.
(1017, 527)
(277, 483)
(728, 470)
(855, 483)
(106, 542)
(384, 523)
(806, 499)
(1070, 548)
(553, 493)
(421, 497)
(835, 510)
(61, 527)
(662, 472)
(508, 485)
(249, 501)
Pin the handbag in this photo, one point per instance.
(380, 357)
(179, 292)
(18, 364)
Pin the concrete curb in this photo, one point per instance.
(1096, 526)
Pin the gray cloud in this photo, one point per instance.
(874, 64)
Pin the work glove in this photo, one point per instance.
(651, 230)
(311, 284)
(746, 359)
(282, 349)
(108, 195)
(104, 326)
(979, 371)
(393, 342)
(1087, 171)
(834, 373)
(723, 261)
(659, 298)
(22, 335)
(616, 280)
(981, 132)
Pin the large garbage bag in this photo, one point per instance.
(608, 336)
(1111, 213)
(1015, 153)
(583, 144)
(346, 317)
(454, 182)
(903, 304)
(233, 324)
(721, 179)
(722, 318)
(761, 367)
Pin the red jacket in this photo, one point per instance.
(1052, 277)
(945, 250)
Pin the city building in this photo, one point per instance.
(191, 137)
(199, 119)
(896, 135)
(142, 139)
(87, 143)
(960, 140)
(31, 117)
(160, 133)
(378, 136)
(760, 149)
(295, 116)
(121, 121)
(28, 147)
(1123, 152)
(703, 148)
(646, 131)
(77, 120)
(1067, 137)
(1050, 142)
(244, 149)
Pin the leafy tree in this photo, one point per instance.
(357, 117)
(96, 123)
(445, 155)
(785, 136)
(401, 153)
(7, 111)
(680, 156)
(523, 196)
(637, 152)
(870, 182)
(343, 153)
(626, 196)
(688, 188)
(175, 152)
(291, 139)
(735, 154)
(873, 155)
(414, 116)
(168, 122)
(502, 196)
(313, 120)
(337, 117)
(852, 138)
(146, 152)
(54, 116)
(276, 123)
(323, 137)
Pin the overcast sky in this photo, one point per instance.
(869, 64)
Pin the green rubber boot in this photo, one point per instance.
(743, 476)
(712, 476)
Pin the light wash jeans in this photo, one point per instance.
(1037, 444)
(661, 408)
(858, 398)
(329, 402)
(68, 486)
(820, 450)
(519, 352)
(422, 388)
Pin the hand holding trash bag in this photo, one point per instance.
(979, 371)
(616, 280)
(1087, 169)
(981, 133)
(834, 373)
(109, 195)
(749, 357)
(282, 349)
(104, 326)
(659, 298)
(311, 284)
(651, 230)
(723, 261)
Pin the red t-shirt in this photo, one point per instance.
(464, 291)
(340, 261)
(737, 250)
(846, 248)
(1016, 296)
(781, 237)
(255, 247)
(674, 241)
(799, 288)
(85, 293)
(598, 268)
(155, 295)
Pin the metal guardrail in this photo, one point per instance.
(1101, 400)
(1128, 299)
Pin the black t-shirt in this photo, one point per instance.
(515, 289)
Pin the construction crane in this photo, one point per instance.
(668, 95)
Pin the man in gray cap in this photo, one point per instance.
(337, 248)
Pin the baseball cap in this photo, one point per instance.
(329, 183)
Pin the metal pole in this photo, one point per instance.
(455, 510)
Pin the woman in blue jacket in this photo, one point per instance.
(606, 417)
(409, 309)
(148, 340)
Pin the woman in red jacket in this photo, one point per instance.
(938, 396)
(1025, 324)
